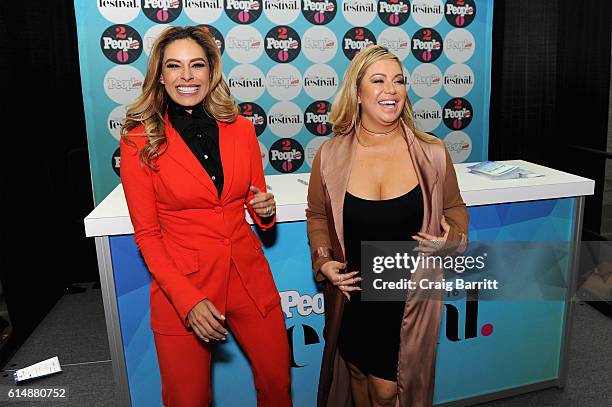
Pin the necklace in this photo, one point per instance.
(379, 134)
(361, 126)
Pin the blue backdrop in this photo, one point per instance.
(284, 60)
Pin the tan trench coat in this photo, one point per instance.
(420, 326)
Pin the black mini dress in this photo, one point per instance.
(370, 331)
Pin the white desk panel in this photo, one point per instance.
(111, 217)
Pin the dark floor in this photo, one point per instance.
(75, 331)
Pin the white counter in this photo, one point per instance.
(111, 217)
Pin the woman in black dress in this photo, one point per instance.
(379, 179)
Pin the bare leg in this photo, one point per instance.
(383, 393)
(359, 386)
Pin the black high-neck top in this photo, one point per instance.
(200, 132)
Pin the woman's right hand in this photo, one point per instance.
(204, 319)
(343, 281)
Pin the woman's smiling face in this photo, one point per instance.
(382, 95)
(185, 72)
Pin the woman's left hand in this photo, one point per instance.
(263, 202)
(430, 244)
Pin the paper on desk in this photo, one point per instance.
(497, 170)
(40, 369)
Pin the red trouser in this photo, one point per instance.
(184, 360)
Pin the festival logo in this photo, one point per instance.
(121, 44)
(320, 81)
(162, 11)
(286, 155)
(427, 13)
(123, 84)
(116, 162)
(355, 40)
(426, 80)
(312, 147)
(470, 324)
(246, 82)
(407, 78)
(285, 119)
(319, 44)
(459, 146)
(396, 40)
(319, 12)
(282, 12)
(458, 80)
(203, 11)
(244, 44)
(427, 114)
(394, 12)
(243, 11)
(284, 82)
(151, 35)
(115, 121)
(459, 45)
(426, 45)
(119, 11)
(315, 118)
(216, 36)
(460, 13)
(359, 13)
(255, 114)
(457, 114)
(282, 44)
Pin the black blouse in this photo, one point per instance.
(200, 132)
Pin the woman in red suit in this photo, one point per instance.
(189, 166)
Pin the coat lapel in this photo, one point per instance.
(336, 172)
(426, 174)
(182, 155)
(227, 145)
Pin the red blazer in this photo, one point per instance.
(186, 234)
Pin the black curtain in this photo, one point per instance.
(550, 87)
(583, 83)
(45, 177)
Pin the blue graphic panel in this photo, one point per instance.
(514, 343)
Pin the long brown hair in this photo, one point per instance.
(345, 114)
(149, 109)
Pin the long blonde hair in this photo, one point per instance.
(149, 109)
(345, 114)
